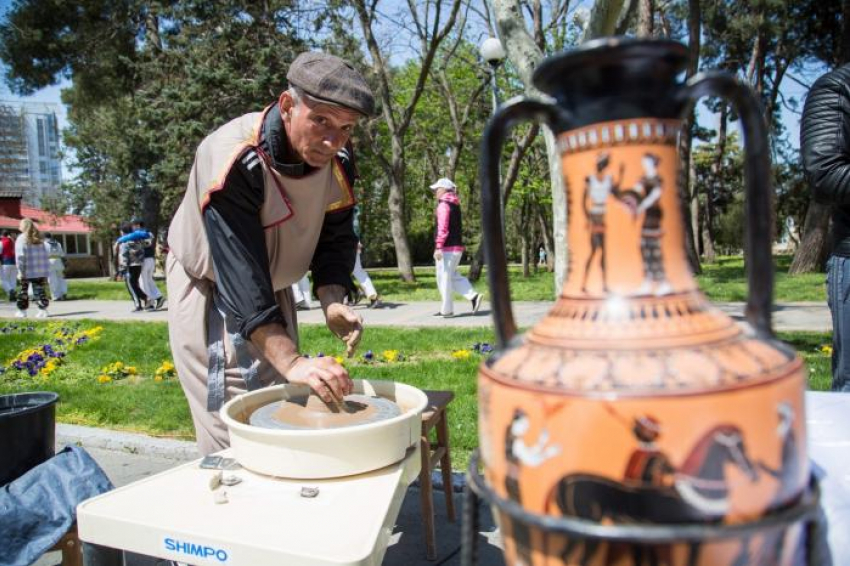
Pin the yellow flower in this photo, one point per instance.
(826, 350)
(390, 355)
(104, 379)
(131, 370)
(167, 366)
(340, 360)
(461, 354)
(158, 377)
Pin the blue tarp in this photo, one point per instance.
(40, 506)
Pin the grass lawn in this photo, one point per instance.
(721, 281)
(141, 404)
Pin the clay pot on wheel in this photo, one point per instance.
(635, 402)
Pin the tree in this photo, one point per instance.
(813, 246)
(431, 29)
(525, 51)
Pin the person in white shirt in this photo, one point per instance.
(56, 273)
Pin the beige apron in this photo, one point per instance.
(292, 217)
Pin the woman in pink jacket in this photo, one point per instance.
(448, 249)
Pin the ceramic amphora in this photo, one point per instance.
(635, 423)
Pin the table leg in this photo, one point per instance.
(96, 555)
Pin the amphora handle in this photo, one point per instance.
(497, 129)
(757, 177)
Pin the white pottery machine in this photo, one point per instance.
(284, 493)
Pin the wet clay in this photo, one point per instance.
(310, 412)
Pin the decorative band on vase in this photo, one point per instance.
(620, 133)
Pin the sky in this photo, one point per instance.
(790, 89)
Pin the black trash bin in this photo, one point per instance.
(27, 432)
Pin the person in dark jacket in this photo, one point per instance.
(269, 197)
(825, 147)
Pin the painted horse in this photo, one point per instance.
(699, 493)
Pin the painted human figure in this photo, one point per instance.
(517, 455)
(597, 188)
(648, 464)
(650, 187)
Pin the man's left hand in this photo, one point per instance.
(346, 324)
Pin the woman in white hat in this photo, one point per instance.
(448, 249)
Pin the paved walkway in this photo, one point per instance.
(786, 316)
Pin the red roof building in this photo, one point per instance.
(71, 230)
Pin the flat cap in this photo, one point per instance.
(331, 79)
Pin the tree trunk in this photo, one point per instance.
(546, 234)
(709, 251)
(395, 204)
(646, 18)
(811, 252)
(686, 184)
(398, 118)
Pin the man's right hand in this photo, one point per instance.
(324, 375)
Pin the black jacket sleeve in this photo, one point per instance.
(336, 251)
(825, 138)
(238, 245)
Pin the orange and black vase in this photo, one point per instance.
(635, 423)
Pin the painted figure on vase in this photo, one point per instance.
(519, 454)
(650, 187)
(597, 189)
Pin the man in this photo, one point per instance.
(269, 198)
(825, 147)
(56, 264)
(8, 271)
(146, 281)
(448, 249)
(131, 256)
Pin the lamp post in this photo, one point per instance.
(493, 53)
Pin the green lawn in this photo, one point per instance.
(721, 281)
(139, 403)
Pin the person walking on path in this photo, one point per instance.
(448, 249)
(56, 274)
(359, 273)
(365, 281)
(825, 148)
(301, 294)
(33, 267)
(131, 255)
(8, 272)
(146, 280)
(269, 198)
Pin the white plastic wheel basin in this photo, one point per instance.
(326, 453)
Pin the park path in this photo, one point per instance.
(812, 317)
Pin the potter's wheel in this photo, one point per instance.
(285, 431)
(309, 412)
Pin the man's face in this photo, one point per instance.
(316, 131)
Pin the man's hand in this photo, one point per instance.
(438, 255)
(324, 375)
(346, 324)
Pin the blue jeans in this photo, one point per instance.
(838, 298)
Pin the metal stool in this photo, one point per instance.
(436, 416)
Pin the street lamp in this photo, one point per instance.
(493, 53)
